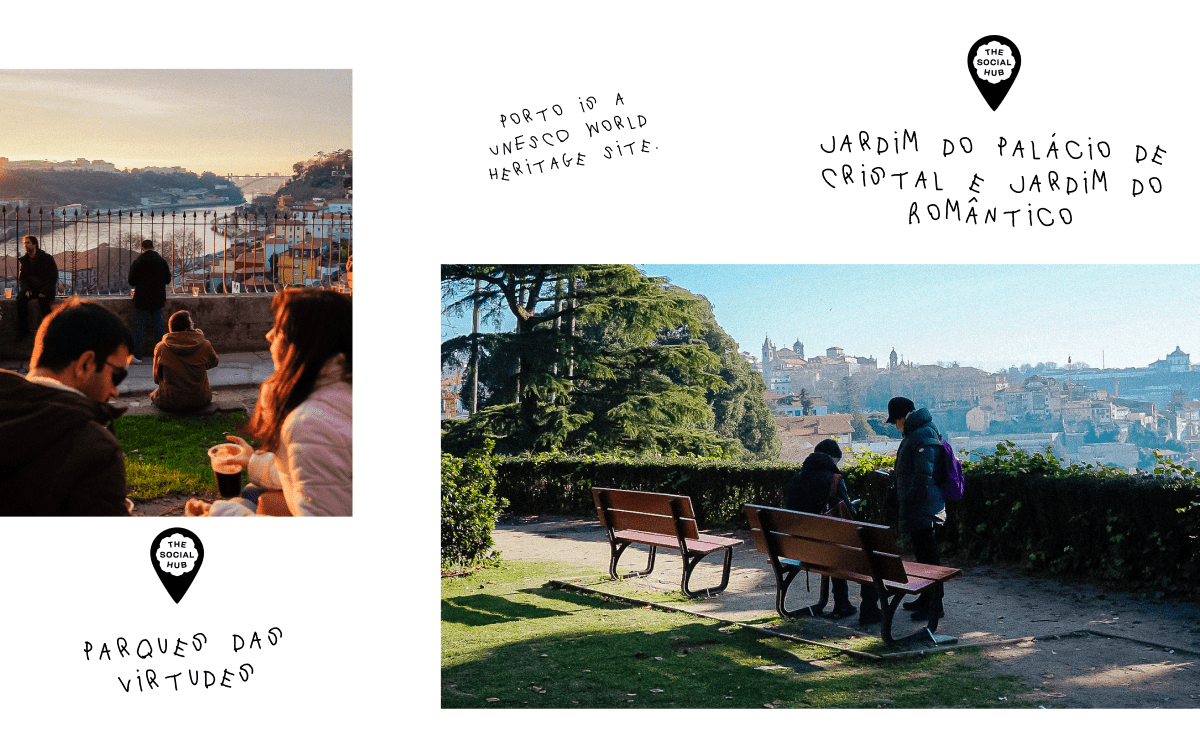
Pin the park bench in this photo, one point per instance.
(851, 550)
(657, 520)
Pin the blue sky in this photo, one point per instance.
(986, 316)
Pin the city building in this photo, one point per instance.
(300, 263)
(798, 436)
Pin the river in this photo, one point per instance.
(207, 249)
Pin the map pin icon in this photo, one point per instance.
(994, 62)
(176, 555)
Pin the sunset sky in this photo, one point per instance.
(239, 121)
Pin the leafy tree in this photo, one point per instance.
(602, 358)
(740, 410)
(879, 426)
(1144, 437)
(849, 392)
(1095, 436)
(861, 427)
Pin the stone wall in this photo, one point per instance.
(232, 322)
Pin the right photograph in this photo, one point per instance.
(990, 465)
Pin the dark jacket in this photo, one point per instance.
(39, 274)
(149, 275)
(57, 458)
(181, 363)
(921, 502)
(808, 490)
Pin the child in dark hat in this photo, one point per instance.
(816, 488)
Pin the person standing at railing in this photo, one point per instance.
(38, 279)
(149, 275)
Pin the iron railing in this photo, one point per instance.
(237, 250)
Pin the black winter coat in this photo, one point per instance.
(39, 274)
(56, 456)
(808, 490)
(921, 501)
(149, 275)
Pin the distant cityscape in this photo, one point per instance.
(1115, 417)
(293, 241)
(91, 165)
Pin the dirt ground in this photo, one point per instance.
(171, 505)
(1076, 644)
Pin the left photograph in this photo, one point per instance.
(176, 320)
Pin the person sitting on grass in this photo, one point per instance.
(303, 419)
(181, 364)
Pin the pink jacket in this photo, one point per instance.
(314, 466)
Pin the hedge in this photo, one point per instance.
(1017, 507)
(470, 505)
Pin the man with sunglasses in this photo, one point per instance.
(58, 453)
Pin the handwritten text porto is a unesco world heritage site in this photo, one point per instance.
(541, 141)
(982, 182)
(136, 658)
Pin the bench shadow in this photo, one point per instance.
(689, 635)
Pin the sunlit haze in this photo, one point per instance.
(223, 121)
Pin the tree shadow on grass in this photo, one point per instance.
(604, 658)
(486, 609)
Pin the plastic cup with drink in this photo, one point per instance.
(228, 460)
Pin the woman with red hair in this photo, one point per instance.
(303, 420)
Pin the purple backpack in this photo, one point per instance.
(954, 483)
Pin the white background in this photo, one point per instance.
(738, 99)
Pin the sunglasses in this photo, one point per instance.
(118, 374)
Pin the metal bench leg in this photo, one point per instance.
(925, 635)
(689, 564)
(783, 579)
(617, 549)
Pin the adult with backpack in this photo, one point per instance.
(818, 488)
(924, 476)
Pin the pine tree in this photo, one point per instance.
(602, 357)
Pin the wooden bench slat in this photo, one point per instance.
(913, 585)
(717, 541)
(704, 544)
(835, 530)
(649, 504)
(643, 537)
(931, 572)
(636, 501)
(654, 524)
(819, 553)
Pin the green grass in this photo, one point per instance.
(507, 635)
(168, 455)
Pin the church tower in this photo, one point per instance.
(892, 359)
(798, 348)
(768, 360)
